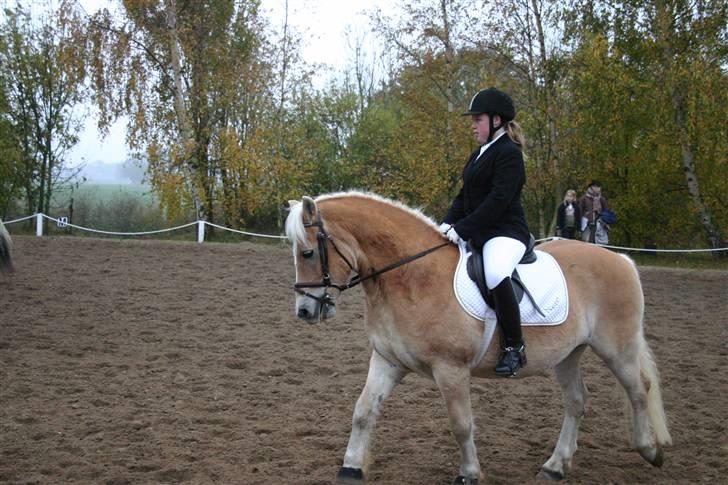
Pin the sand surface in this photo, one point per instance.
(171, 362)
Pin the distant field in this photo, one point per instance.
(95, 193)
(108, 207)
(91, 194)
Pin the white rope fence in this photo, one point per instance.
(62, 222)
(19, 220)
(242, 232)
(646, 250)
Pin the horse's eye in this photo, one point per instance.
(307, 254)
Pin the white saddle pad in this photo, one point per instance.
(544, 279)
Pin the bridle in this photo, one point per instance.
(322, 238)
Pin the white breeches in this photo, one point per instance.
(500, 257)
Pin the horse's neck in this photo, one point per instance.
(384, 234)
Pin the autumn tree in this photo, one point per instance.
(430, 140)
(648, 101)
(42, 74)
(523, 41)
(11, 182)
(687, 37)
(193, 79)
(449, 49)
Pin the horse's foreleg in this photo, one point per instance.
(381, 379)
(574, 393)
(454, 384)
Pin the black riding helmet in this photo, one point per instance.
(492, 101)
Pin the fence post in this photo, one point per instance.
(39, 224)
(200, 231)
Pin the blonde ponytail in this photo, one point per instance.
(515, 133)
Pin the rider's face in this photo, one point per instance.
(481, 127)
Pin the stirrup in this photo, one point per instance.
(511, 360)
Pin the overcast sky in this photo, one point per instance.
(323, 24)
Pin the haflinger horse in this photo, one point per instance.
(6, 245)
(415, 324)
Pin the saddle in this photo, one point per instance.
(476, 272)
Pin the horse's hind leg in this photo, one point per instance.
(574, 393)
(627, 366)
(454, 384)
(381, 379)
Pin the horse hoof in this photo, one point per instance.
(653, 456)
(462, 480)
(659, 458)
(550, 475)
(350, 475)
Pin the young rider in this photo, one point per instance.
(488, 212)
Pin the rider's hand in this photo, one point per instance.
(453, 236)
(444, 227)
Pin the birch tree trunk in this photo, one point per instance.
(449, 58)
(691, 178)
(676, 81)
(549, 96)
(281, 216)
(186, 133)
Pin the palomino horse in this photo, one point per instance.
(6, 245)
(415, 324)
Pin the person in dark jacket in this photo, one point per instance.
(488, 212)
(568, 216)
(591, 204)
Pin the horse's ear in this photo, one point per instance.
(309, 209)
(293, 203)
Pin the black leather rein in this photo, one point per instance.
(322, 238)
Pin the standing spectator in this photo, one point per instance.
(591, 205)
(568, 216)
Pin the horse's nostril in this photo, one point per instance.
(303, 313)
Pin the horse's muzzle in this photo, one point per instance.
(313, 311)
(304, 314)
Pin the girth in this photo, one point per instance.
(476, 271)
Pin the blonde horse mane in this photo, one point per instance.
(296, 232)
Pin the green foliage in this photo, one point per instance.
(188, 75)
(42, 75)
(10, 156)
(634, 94)
(622, 128)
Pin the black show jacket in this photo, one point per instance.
(489, 203)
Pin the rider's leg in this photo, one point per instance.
(500, 257)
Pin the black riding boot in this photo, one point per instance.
(513, 353)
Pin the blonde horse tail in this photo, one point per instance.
(655, 408)
(651, 379)
(6, 245)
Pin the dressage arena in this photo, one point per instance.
(144, 361)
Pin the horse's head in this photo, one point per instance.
(320, 264)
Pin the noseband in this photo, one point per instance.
(322, 237)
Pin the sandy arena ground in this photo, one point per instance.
(171, 362)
